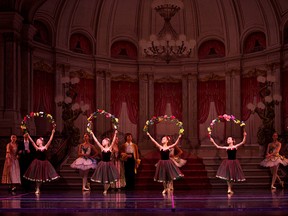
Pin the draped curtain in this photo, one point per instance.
(165, 93)
(249, 90)
(85, 96)
(43, 92)
(210, 91)
(128, 92)
(249, 94)
(211, 103)
(86, 93)
(43, 100)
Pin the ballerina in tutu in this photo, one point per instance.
(274, 159)
(106, 172)
(85, 161)
(166, 170)
(41, 170)
(230, 169)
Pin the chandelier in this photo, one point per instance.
(167, 44)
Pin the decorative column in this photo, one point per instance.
(275, 70)
(62, 70)
(151, 105)
(100, 102)
(107, 97)
(28, 32)
(233, 100)
(193, 110)
(190, 112)
(143, 109)
(10, 64)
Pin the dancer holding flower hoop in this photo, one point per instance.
(106, 172)
(166, 170)
(40, 170)
(230, 168)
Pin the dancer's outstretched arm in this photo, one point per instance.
(50, 140)
(176, 142)
(154, 141)
(243, 141)
(217, 146)
(32, 141)
(113, 140)
(96, 140)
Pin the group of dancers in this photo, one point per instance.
(117, 167)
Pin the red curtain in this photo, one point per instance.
(165, 93)
(123, 91)
(249, 90)
(86, 93)
(43, 92)
(210, 91)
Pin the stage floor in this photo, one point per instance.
(147, 202)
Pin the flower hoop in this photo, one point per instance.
(36, 114)
(224, 118)
(156, 120)
(114, 120)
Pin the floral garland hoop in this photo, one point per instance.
(224, 118)
(158, 119)
(41, 114)
(114, 120)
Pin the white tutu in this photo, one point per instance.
(274, 161)
(83, 163)
(179, 162)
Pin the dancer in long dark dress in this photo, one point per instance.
(41, 170)
(166, 169)
(106, 172)
(230, 168)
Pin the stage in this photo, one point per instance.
(146, 202)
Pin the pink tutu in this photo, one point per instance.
(84, 163)
(41, 171)
(230, 170)
(274, 161)
(166, 170)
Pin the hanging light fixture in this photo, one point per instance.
(167, 45)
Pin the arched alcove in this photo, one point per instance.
(43, 34)
(79, 43)
(211, 49)
(124, 50)
(254, 42)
